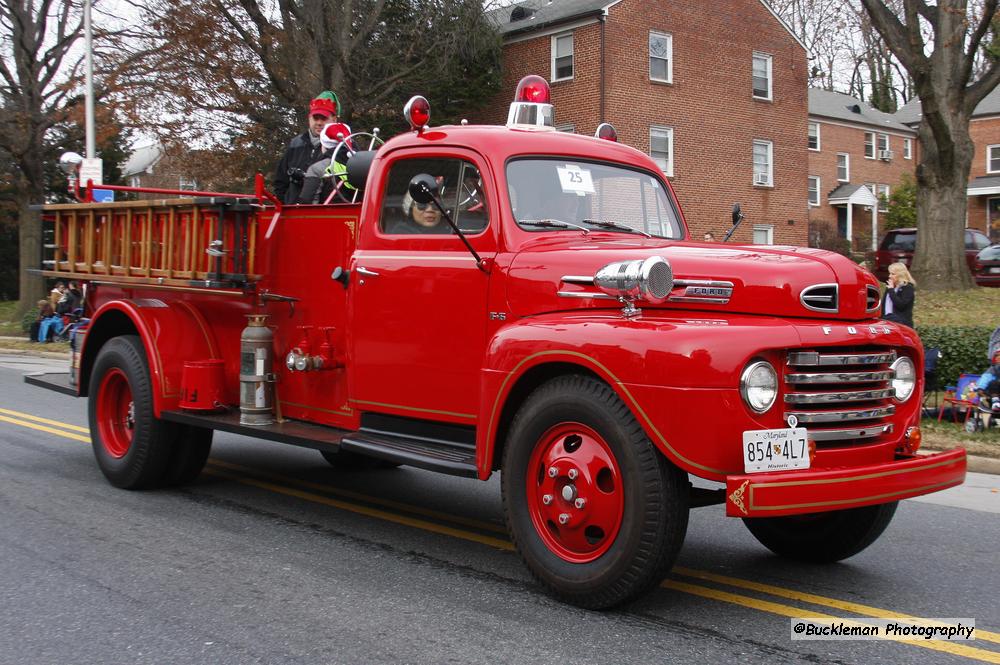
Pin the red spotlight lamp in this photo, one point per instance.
(531, 108)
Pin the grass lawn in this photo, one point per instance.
(9, 325)
(946, 434)
(977, 307)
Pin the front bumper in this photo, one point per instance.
(818, 490)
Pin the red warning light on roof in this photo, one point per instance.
(417, 112)
(533, 89)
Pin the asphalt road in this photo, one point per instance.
(274, 557)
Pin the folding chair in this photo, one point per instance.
(961, 397)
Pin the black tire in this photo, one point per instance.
(133, 449)
(348, 461)
(649, 494)
(190, 452)
(822, 537)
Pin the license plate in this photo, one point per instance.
(775, 449)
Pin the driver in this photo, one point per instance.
(420, 218)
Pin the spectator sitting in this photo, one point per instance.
(56, 293)
(48, 321)
(70, 300)
(989, 384)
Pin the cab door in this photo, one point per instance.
(417, 298)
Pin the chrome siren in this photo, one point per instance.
(642, 279)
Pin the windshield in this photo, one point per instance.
(591, 195)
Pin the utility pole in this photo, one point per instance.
(89, 40)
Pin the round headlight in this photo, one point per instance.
(904, 379)
(759, 386)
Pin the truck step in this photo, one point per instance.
(57, 381)
(295, 432)
(434, 455)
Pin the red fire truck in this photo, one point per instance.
(515, 299)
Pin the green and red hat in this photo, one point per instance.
(325, 103)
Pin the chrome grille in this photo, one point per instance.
(853, 402)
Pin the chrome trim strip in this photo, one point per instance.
(840, 416)
(713, 301)
(578, 279)
(839, 377)
(834, 300)
(585, 294)
(702, 282)
(835, 398)
(873, 291)
(815, 359)
(841, 434)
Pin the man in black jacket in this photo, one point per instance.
(305, 148)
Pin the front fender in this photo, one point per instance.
(170, 333)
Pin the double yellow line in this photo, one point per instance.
(692, 581)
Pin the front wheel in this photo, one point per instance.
(822, 537)
(597, 513)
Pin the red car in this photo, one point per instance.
(986, 268)
(898, 245)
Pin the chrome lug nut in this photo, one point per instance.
(546, 499)
(563, 518)
(553, 472)
(572, 474)
(580, 503)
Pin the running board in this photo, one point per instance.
(444, 457)
(57, 381)
(295, 432)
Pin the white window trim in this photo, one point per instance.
(669, 171)
(768, 229)
(819, 141)
(879, 189)
(907, 148)
(847, 165)
(770, 163)
(819, 190)
(552, 57)
(770, 75)
(669, 58)
(874, 145)
(990, 149)
(878, 143)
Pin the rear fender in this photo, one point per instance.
(170, 333)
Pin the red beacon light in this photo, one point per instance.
(607, 131)
(531, 108)
(417, 112)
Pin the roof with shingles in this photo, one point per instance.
(910, 112)
(838, 106)
(536, 14)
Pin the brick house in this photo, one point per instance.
(857, 155)
(726, 123)
(984, 178)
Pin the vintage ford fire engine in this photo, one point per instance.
(477, 299)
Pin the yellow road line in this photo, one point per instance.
(28, 416)
(370, 512)
(388, 503)
(954, 648)
(43, 428)
(847, 606)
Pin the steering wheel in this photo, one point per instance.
(347, 146)
(471, 195)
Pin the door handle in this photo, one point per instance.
(361, 270)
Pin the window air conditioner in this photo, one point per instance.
(761, 179)
(885, 155)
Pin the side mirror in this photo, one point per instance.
(422, 188)
(69, 163)
(737, 213)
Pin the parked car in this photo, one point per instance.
(986, 269)
(898, 245)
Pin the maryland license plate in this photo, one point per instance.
(775, 449)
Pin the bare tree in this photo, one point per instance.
(942, 73)
(39, 91)
(820, 25)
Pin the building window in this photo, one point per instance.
(763, 153)
(883, 198)
(761, 76)
(907, 148)
(187, 184)
(870, 145)
(567, 127)
(763, 234)
(883, 143)
(562, 57)
(814, 136)
(993, 159)
(661, 57)
(843, 167)
(661, 148)
(814, 184)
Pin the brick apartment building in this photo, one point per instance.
(716, 94)
(984, 178)
(857, 155)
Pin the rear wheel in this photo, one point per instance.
(190, 452)
(822, 537)
(597, 513)
(134, 450)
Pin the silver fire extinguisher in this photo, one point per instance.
(256, 372)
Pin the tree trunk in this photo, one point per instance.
(942, 177)
(32, 285)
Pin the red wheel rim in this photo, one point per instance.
(575, 495)
(115, 413)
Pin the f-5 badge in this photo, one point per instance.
(498, 316)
